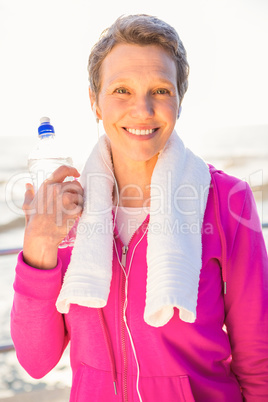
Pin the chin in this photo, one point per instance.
(144, 157)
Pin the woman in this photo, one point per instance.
(168, 250)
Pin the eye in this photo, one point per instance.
(121, 91)
(162, 91)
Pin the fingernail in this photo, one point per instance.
(28, 186)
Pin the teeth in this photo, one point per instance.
(140, 132)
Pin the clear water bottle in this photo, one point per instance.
(47, 156)
(45, 159)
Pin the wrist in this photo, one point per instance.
(40, 252)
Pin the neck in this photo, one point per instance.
(133, 180)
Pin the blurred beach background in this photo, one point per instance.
(44, 48)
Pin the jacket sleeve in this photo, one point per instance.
(246, 299)
(37, 328)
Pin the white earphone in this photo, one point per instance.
(95, 112)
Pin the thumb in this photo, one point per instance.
(29, 193)
(28, 198)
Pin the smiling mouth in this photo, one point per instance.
(140, 132)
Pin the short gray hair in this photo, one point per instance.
(139, 29)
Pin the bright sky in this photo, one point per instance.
(45, 45)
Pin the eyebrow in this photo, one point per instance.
(125, 81)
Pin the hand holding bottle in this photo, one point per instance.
(49, 214)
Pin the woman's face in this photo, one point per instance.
(138, 100)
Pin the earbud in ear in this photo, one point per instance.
(95, 112)
(179, 112)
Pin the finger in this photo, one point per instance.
(74, 214)
(72, 187)
(29, 194)
(71, 200)
(60, 174)
(72, 211)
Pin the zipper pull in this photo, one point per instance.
(115, 390)
(124, 256)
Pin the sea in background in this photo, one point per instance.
(240, 151)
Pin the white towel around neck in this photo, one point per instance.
(179, 190)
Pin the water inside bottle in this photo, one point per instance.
(41, 169)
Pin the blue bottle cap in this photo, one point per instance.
(45, 127)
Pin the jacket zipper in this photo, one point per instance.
(123, 338)
(123, 332)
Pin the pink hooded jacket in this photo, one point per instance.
(222, 356)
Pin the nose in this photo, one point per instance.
(142, 107)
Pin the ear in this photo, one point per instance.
(94, 106)
(91, 97)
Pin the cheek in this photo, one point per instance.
(170, 112)
(106, 114)
(111, 110)
(169, 107)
